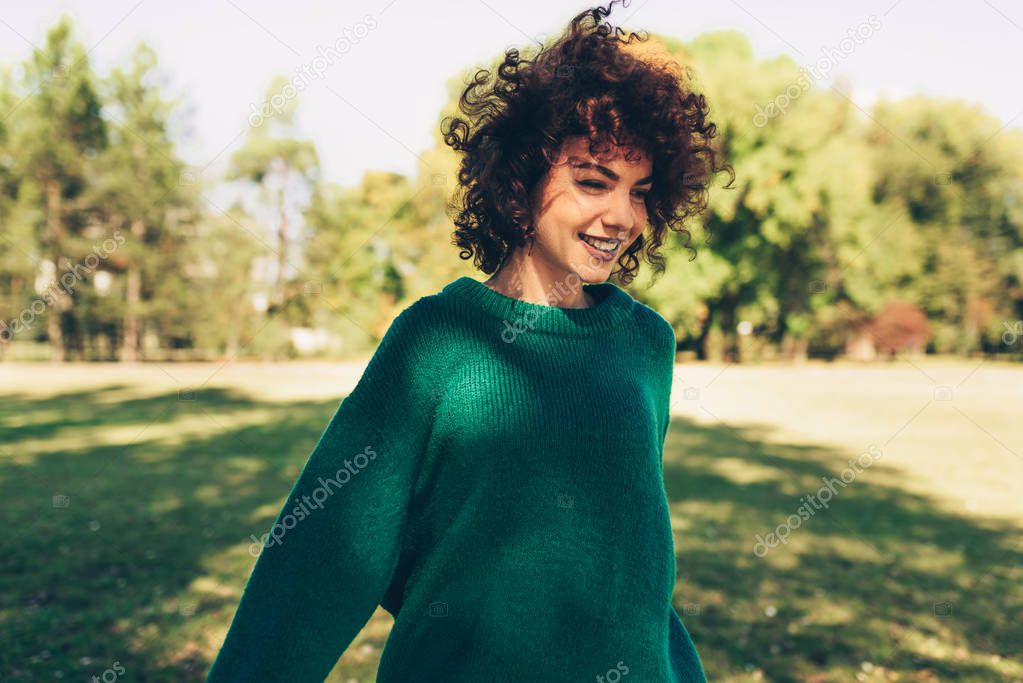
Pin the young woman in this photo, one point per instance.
(494, 479)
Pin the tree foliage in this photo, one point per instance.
(903, 223)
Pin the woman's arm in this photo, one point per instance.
(331, 553)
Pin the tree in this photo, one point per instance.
(281, 166)
(141, 189)
(959, 177)
(794, 164)
(17, 255)
(57, 132)
(220, 283)
(351, 257)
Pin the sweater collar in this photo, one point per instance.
(613, 306)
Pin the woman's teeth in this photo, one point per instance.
(603, 245)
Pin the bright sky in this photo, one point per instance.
(374, 104)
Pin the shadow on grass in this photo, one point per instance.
(143, 560)
(869, 579)
(44, 418)
(100, 576)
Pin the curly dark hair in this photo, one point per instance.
(591, 82)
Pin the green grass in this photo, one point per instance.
(913, 573)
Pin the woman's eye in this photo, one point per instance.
(597, 185)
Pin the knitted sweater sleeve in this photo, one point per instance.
(686, 666)
(329, 557)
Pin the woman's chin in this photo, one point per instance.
(591, 274)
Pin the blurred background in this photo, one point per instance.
(211, 212)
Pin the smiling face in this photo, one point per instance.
(589, 212)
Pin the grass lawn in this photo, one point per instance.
(130, 494)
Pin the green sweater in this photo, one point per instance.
(494, 481)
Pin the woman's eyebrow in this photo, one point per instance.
(608, 172)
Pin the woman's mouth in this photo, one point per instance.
(600, 248)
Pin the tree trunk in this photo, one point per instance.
(62, 301)
(794, 347)
(702, 353)
(234, 332)
(728, 315)
(133, 294)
